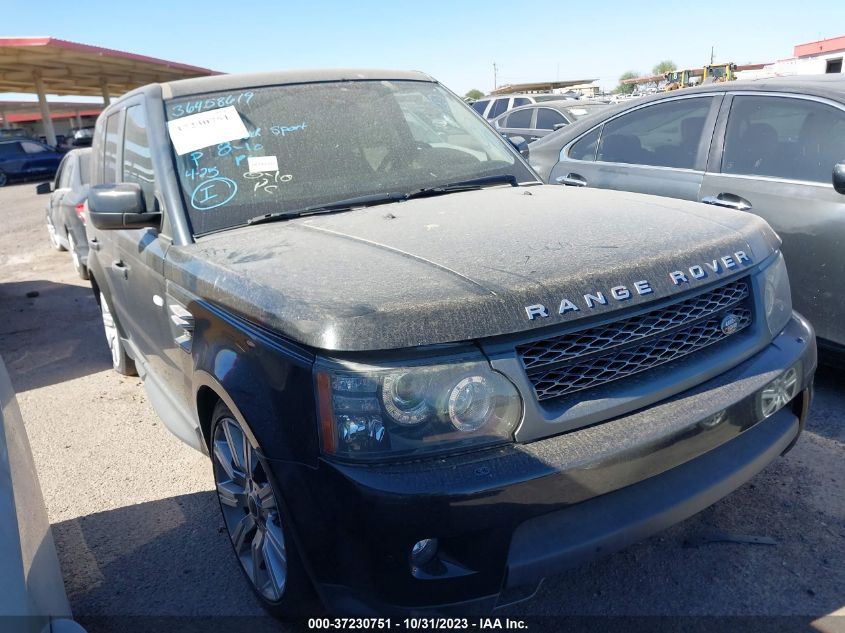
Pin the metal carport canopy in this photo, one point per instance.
(46, 65)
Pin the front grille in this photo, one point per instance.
(594, 356)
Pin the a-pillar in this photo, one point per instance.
(46, 119)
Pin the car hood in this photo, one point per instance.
(462, 266)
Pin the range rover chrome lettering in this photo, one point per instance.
(620, 293)
(425, 381)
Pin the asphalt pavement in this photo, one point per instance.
(139, 534)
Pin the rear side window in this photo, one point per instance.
(479, 106)
(666, 134)
(110, 151)
(547, 119)
(783, 137)
(585, 147)
(10, 149)
(499, 106)
(520, 101)
(519, 119)
(137, 161)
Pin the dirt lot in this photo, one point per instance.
(138, 531)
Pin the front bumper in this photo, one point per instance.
(507, 517)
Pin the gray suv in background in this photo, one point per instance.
(772, 147)
(425, 380)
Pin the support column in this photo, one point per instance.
(78, 119)
(5, 118)
(104, 86)
(46, 120)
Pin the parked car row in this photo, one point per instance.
(492, 107)
(426, 380)
(772, 147)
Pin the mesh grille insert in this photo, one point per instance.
(590, 357)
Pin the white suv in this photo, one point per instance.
(492, 106)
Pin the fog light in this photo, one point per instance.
(423, 552)
(778, 393)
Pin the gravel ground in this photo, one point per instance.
(138, 531)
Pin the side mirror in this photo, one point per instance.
(557, 126)
(839, 177)
(44, 187)
(520, 145)
(121, 206)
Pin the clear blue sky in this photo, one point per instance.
(456, 42)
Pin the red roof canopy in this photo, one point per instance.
(71, 68)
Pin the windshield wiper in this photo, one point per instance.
(464, 185)
(382, 198)
(340, 205)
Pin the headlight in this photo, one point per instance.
(777, 298)
(375, 412)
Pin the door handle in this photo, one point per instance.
(531, 139)
(572, 180)
(121, 268)
(729, 200)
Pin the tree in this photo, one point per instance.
(474, 94)
(627, 89)
(661, 68)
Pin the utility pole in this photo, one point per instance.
(495, 77)
(711, 55)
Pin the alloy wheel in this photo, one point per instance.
(249, 509)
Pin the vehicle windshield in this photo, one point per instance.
(315, 144)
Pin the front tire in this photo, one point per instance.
(80, 268)
(121, 362)
(54, 239)
(254, 519)
(4, 179)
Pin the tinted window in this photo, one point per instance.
(783, 138)
(60, 172)
(520, 101)
(479, 106)
(32, 148)
(585, 148)
(547, 119)
(520, 118)
(10, 149)
(110, 155)
(499, 106)
(665, 134)
(137, 164)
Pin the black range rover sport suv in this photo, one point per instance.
(424, 379)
